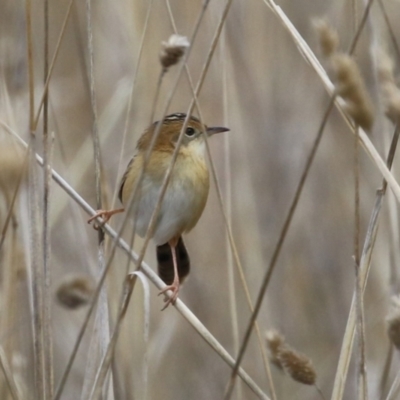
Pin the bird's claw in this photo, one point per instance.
(174, 288)
(99, 213)
(105, 214)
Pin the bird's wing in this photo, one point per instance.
(123, 179)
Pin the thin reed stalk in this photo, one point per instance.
(34, 237)
(35, 118)
(13, 200)
(361, 364)
(47, 156)
(129, 106)
(228, 206)
(100, 333)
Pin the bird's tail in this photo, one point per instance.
(166, 263)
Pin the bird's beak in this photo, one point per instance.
(216, 129)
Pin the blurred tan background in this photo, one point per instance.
(260, 87)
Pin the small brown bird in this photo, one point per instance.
(185, 196)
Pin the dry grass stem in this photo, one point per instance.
(31, 75)
(362, 371)
(233, 309)
(47, 158)
(105, 363)
(37, 279)
(48, 146)
(100, 334)
(157, 95)
(52, 64)
(362, 366)
(394, 388)
(13, 168)
(129, 106)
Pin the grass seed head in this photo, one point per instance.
(351, 87)
(275, 341)
(75, 291)
(173, 50)
(328, 37)
(298, 366)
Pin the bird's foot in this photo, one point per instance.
(105, 214)
(170, 299)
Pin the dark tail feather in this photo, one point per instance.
(166, 264)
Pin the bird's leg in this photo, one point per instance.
(175, 284)
(105, 214)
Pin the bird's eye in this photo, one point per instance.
(190, 131)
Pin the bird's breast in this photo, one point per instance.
(184, 199)
(190, 186)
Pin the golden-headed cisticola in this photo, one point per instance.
(185, 196)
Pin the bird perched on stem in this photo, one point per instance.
(185, 196)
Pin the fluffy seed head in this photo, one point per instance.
(275, 341)
(393, 321)
(351, 87)
(75, 291)
(295, 364)
(328, 37)
(173, 50)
